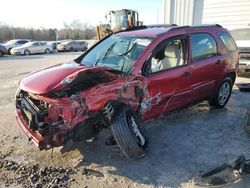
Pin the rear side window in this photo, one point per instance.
(22, 41)
(228, 42)
(203, 46)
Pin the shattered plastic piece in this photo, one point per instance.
(225, 173)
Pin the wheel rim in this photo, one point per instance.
(224, 93)
(27, 52)
(46, 51)
(136, 131)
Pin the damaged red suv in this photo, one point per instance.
(129, 77)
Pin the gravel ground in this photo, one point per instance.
(182, 144)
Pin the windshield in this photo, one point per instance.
(241, 34)
(117, 52)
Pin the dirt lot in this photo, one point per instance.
(182, 145)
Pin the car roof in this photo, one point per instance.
(157, 30)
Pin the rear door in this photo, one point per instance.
(168, 77)
(206, 62)
(42, 47)
(34, 48)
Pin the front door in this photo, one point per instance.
(168, 77)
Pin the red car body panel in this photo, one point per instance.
(163, 91)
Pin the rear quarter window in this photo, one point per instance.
(203, 46)
(22, 41)
(228, 41)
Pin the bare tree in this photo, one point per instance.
(73, 30)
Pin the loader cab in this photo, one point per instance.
(123, 19)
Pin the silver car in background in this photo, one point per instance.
(71, 46)
(34, 47)
(15, 43)
(3, 50)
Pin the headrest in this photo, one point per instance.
(172, 50)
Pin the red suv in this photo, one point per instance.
(128, 77)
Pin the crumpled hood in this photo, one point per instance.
(49, 79)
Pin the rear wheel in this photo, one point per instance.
(71, 49)
(26, 52)
(129, 133)
(223, 94)
(47, 51)
(1, 53)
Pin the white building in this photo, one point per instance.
(231, 14)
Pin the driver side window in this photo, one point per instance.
(168, 56)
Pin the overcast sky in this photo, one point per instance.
(52, 13)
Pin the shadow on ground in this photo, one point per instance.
(182, 145)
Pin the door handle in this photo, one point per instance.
(187, 74)
(218, 62)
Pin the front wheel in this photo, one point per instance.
(9, 53)
(26, 52)
(223, 94)
(129, 133)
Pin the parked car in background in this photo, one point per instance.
(34, 47)
(242, 37)
(15, 43)
(3, 50)
(71, 46)
(54, 44)
(244, 49)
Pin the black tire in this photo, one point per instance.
(132, 146)
(1, 54)
(47, 51)
(216, 100)
(26, 52)
(72, 49)
(9, 51)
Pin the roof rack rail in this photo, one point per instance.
(161, 25)
(146, 26)
(133, 28)
(196, 26)
(207, 25)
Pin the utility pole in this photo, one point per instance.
(157, 16)
(13, 32)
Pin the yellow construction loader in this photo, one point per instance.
(118, 20)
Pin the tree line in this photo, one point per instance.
(74, 30)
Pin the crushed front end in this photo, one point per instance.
(74, 108)
(48, 122)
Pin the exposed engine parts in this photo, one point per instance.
(108, 111)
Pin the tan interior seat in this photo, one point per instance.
(171, 56)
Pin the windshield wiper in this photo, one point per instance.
(133, 46)
(126, 54)
(106, 53)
